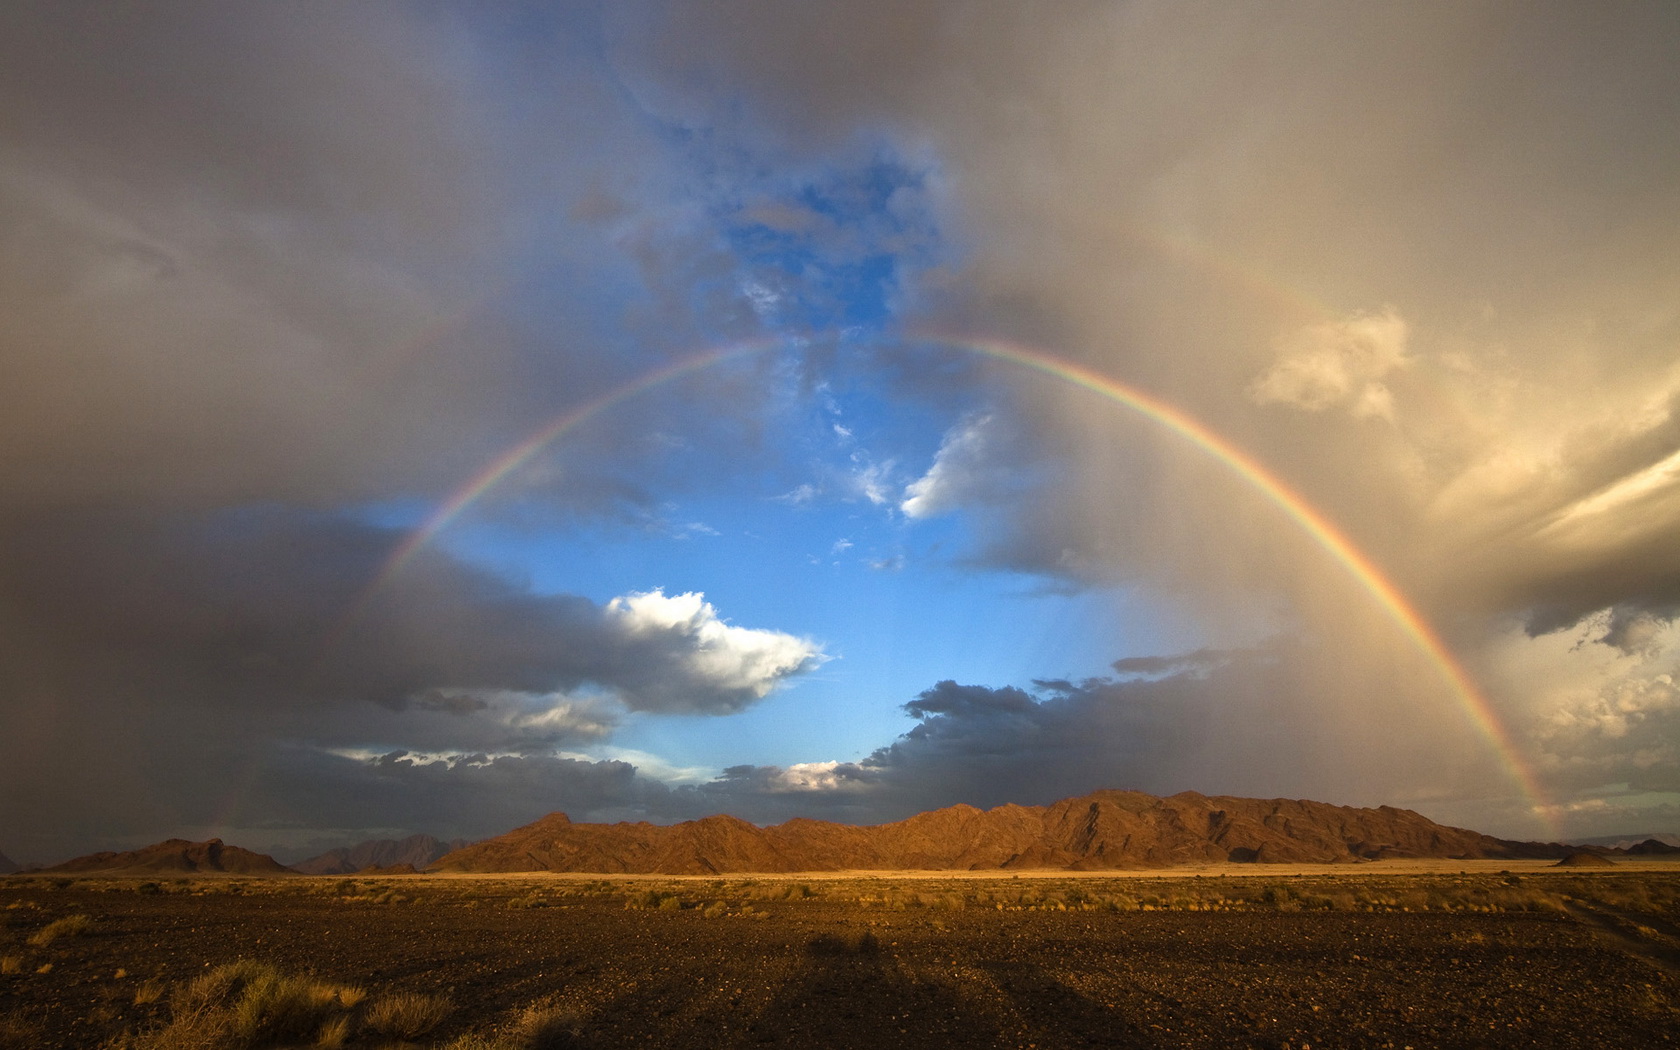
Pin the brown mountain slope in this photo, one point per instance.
(416, 850)
(1107, 829)
(176, 857)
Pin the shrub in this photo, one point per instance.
(654, 899)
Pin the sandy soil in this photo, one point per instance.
(1292, 960)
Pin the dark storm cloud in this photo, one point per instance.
(324, 254)
(274, 603)
(180, 652)
(1212, 203)
(1216, 721)
(1417, 261)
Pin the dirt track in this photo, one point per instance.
(880, 964)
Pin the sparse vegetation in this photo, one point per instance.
(18, 1034)
(658, 974)
(69, 926)
(249, 1004)
(407, 1015)
(538, 1027)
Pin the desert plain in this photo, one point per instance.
(1423, 953)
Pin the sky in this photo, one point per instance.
(423, 417)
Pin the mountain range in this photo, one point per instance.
(1105, 830)
(416, 851)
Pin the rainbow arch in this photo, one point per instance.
(1277, 491)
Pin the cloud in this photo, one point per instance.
(1213, 721)
(267, 269)
(203, 645)
(1198, 662)
(696, 662)
(1337, 364)
(964, 470)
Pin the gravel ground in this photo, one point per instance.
(720, 966)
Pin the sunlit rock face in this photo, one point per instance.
(1105, 830)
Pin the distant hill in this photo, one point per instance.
(1633, 843)
(416, 851)
(175, 857)
(1650, 848)
(1104, 830)
(7, 865)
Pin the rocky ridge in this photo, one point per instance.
(1103, 830)
(175, 857)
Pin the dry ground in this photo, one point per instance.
(1456, 955)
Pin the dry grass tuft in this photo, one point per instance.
(69, 926)
(545, 1028)
(333, 1033)
(538, 1027)
(247, 1004)
(18, 1034)
(407, 1015)
(11, 964)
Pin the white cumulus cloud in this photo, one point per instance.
(720, 667)
(959, 471)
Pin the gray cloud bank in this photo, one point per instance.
(158, 664)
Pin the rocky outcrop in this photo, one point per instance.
(1104, 830)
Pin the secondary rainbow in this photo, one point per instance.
(1476, 706)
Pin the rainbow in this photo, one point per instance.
(1366, 572)
(1369, 576)
(515, 456)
